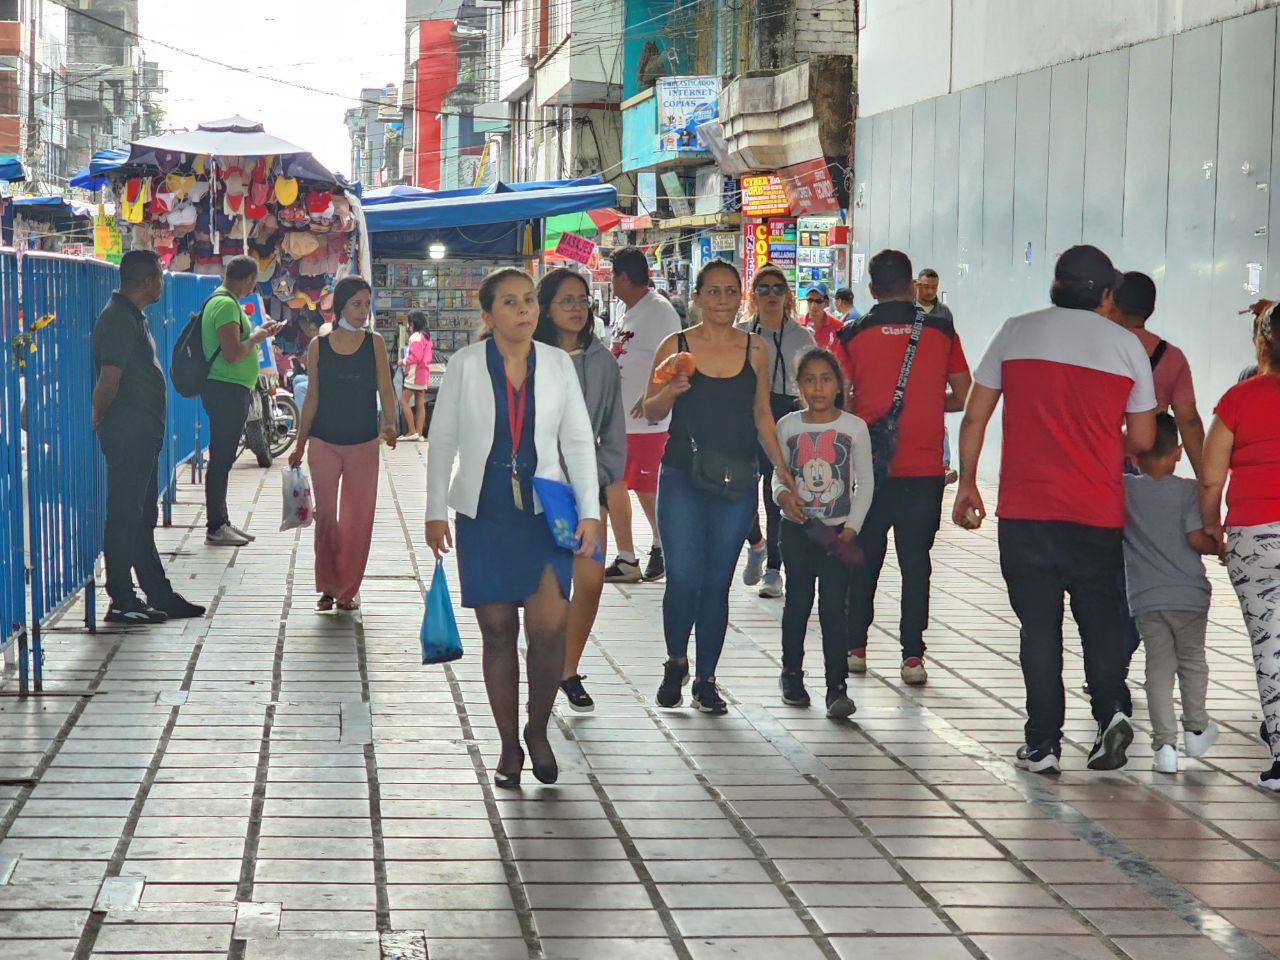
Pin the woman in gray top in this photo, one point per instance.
(565, 320)
(785, 339)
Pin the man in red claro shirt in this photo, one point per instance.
(908, 500)
(821, 324)
(1078, 394)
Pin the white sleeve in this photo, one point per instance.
(1143, 395)
(991, 368)
(864, 477)
(443, 440)
(578, 441)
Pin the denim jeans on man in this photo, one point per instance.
(702, 536)
(227, 406)
(1041, 561)
(912, 508)
(129, 540)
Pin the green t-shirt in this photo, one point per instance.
(222, 310)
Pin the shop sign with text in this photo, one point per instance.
(764, 196)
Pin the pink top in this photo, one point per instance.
(1172, 375)
(418, 361)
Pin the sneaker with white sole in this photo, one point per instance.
(707, 699)
(1038, 760)
(1196, 743)
(656, 567)
(1270, 779)
(754, 570)
(225, 536)
(1108, 751)
(135, 614)
(248, 536)
(771, 587)
(1165, 759)
(857, 660)
(410, 437)
(913, 672)
(623, 571)
(675, 674)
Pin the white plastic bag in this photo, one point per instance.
(299, 510)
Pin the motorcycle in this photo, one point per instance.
(272, 425)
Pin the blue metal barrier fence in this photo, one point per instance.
(51, 303)
(13, 591)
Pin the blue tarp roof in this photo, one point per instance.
(11, 168)
(92, 177)
(53, 207)
(500, 203)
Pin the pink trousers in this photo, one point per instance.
(344, 483)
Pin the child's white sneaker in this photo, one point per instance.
(1197, 743)
(1165, 760)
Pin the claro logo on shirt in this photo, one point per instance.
(896, 331)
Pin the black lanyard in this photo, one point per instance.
(777, 354)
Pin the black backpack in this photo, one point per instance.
(188, 369)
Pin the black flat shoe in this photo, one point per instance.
(509, 781)
(544, 772)
(177, 607)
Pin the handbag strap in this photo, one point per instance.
(1158, 353)
(777, 353)
(900, 391)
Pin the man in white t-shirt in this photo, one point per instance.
(649, 320)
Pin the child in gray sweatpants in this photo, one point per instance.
(1169, 595)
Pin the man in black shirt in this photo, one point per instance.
(128, 417)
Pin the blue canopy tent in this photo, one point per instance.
(11, 168)
(93, 177)
(478, 221)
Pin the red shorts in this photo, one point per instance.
(644, 457)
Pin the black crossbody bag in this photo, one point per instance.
(884, 432)
(721, 474)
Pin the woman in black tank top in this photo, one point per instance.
(348, 373)
(706, 488)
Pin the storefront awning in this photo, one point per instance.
(11, 168)
(499, 204)
(93, 177)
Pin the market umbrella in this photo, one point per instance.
(233, 137)
(586, 224)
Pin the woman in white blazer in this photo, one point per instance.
(510, 409)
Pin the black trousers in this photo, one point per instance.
(772, 521)
(809, 565)
(1041, 561)
(129, 542)
(227, 406)
(912, 508)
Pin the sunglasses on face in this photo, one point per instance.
(816, 300)
(776, 289)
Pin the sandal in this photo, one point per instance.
(324, 604)
(348, 605)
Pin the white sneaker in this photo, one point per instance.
(1165, 759)
(248, 536)
(1198, 744)
(772, 586)
(225, 536)
(754, 569)
(857, 661)
(410, 437)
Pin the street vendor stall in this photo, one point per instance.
(432, 249)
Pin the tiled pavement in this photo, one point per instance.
(270, 783)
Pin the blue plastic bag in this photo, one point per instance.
(441, 641)
(560, 507)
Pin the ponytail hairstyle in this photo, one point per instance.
(343, 290)
(1267, 338)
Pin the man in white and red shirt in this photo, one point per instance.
(1077, 392)
(908, 500)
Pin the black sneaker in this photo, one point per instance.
(135, 614)
(177, 607)
(793, 692)
(576, 694)
(1108, 751)
(707, 699)
(675, 673)
(1270, 779)
(656, 568)
(1038, 760)
(622, 571)
(840, 705)
(1262, 735)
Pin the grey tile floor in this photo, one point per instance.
(272, 783)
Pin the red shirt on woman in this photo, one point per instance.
(1251, 411)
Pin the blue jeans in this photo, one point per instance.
(702, 537)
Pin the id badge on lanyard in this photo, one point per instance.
(516, 402)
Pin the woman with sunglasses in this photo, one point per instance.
(566, 320)
(774, 322)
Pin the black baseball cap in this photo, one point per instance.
(1088, 266)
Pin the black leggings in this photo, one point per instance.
(773, 521)
(808, 564)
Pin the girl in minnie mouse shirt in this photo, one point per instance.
(828, 451)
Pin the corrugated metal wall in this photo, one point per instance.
(1160, 154)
